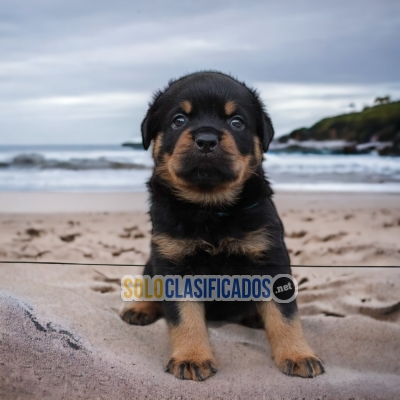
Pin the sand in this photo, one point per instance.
(61, 335)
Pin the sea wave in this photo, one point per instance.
(117, 168)
(332, 147)
(38, 161)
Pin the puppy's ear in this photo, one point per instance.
(150, 124)
(267, 131)
(147, 134)
(265, 128)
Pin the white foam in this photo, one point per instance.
(339, 187)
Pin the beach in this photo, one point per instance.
(212, 103)
(61, 335)
(322, 228)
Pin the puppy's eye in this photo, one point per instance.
(237, 123)
(179, 120)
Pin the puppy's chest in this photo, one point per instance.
(211, 239)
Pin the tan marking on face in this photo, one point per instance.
(241, 163)
(253, 244)
(243, 166)
(287, 340)
(157, 145)
(258, 153)
(222, 195)
(230, 107)
(190, 343)
(186, 106)
(169, 168)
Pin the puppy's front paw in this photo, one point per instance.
(197, 370)
(141, 312)
(304, 366)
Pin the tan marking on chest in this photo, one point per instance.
(253, 244)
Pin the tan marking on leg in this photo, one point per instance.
(186, 106)
(230, 107)
(192, 356)
(289, 349)
(141, 312)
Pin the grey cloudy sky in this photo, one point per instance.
(83, 71)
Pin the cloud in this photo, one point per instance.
(293, 105)
(84, 62)
(97, 106)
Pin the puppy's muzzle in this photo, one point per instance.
(206, 142)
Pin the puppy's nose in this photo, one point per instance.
(206, 142)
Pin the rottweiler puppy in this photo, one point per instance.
(212, 213)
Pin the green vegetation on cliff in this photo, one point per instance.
(379, 123)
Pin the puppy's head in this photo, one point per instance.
(209, 132)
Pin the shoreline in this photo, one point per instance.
(117, 202)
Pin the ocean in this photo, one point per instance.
(110, 168)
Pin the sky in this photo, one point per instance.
(84, 71)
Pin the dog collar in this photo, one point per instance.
(226, 214)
